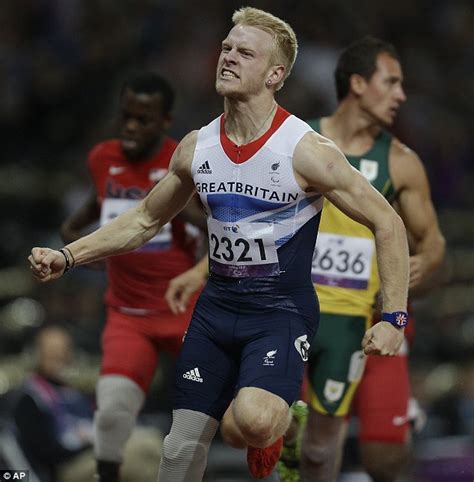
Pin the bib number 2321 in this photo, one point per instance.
(242, 249)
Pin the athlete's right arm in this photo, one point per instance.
(134, 227)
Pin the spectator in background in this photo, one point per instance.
(54, 420)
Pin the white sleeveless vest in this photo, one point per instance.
(253, 207)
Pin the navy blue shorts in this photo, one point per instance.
(235, 342)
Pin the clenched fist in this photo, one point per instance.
(382, 339)
(46, 264)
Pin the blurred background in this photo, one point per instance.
(61, 66)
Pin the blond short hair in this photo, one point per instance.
(286, 45)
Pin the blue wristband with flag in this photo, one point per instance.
(399, 319)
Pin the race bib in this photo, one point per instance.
(242, 249)
(111, 208)
(342, 261)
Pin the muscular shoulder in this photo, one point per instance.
(404, 164)
(315, 159)
(184, 153)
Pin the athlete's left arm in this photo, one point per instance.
(417, 211)
(320, 166)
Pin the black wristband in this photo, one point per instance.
(69, 258)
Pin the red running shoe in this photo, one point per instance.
(261, 462)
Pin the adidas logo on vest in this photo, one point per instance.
(193, 375)
(204, 168)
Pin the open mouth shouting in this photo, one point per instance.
(228, 74)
